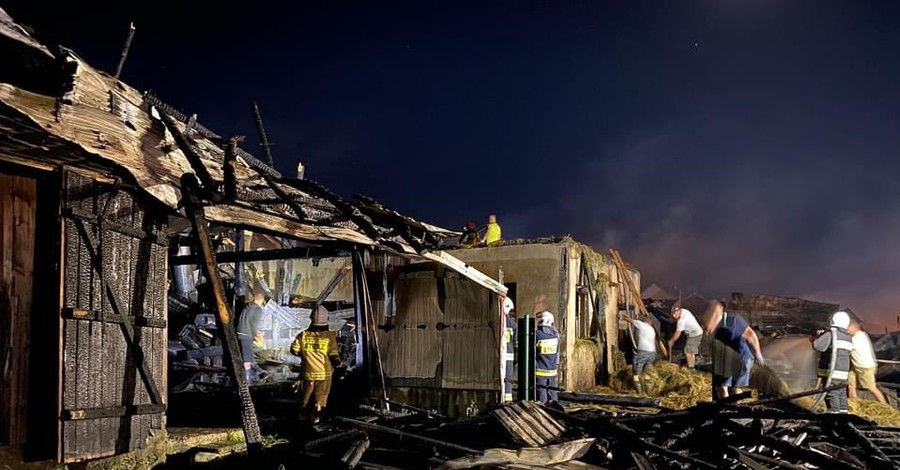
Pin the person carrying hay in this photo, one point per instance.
(645, 351)
(687, 324)
(734, 348)
(835, 344)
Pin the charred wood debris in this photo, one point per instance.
(766, 434)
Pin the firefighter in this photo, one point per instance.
(510, 356)
(318, 348)
(546, 357)
(835, 344)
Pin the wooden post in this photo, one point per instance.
(125, 49)
(224, 317)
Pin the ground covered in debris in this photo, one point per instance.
(678, 428)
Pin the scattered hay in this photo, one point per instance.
(582, 371)
(769, 385)
(883, 414)
(676, 387)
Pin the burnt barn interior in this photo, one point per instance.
(130, 233)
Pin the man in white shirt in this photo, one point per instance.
(686, 323)
(645, 343)
(863, 363)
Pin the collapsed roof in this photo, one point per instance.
(56, 110)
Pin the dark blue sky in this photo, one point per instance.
(722, 145)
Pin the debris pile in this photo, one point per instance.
(196, 357)
(762, 434)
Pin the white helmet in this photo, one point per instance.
(508, 305)
(545, 318)
(840, 319)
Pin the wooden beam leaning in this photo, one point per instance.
(446, 259)
(224, 317)
(206, 180)
(335, 281)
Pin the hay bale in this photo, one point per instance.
(582, 371)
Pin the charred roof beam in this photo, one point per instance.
(349, 210)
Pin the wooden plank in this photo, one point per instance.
(446, 259)
(95, 316)
(112, 411)
(23, 267)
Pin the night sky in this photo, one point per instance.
(721, 145)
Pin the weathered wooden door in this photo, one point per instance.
(18, 196)
(113, 327)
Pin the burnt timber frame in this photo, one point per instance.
(226, 257)
(224, 317)
(95, 253)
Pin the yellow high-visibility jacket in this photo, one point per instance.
(493, 233)
(319, 351)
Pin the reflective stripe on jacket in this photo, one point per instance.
(510, 338)
(546, 351)
(839, 346)
(318, 350)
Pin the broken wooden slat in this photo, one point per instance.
(624, 400)
(407, 435)
(642, 462)
(95, 315)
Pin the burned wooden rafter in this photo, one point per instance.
(788, 449)
(209, 184)
(127, 327)
(407, 435)
(883, 462)
(303, 252)
(411, 231)
(634, 438)
(299, 212)
(224, 317)
(228, 169)
(349, 210)
(94, 315)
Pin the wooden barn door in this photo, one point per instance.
(113, 326)
(18, 196)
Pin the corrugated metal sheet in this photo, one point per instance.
(413, 346)
(471, 340)
(528, 423)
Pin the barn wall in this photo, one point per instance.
(100, 371)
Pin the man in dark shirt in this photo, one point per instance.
(248, 326)
(734, 348)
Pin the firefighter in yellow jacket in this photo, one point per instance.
(318, 348)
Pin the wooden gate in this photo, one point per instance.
(113, 328)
